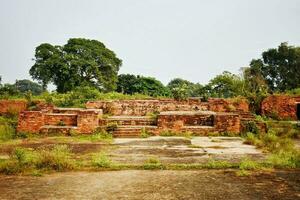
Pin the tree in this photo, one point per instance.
(226, 85)
(27, 85)
(80, 62)
(185, 86)
(280, 67)
(131, 84)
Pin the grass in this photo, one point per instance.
(169, 133)
(153, 163)
(101, 160)
(23, 160)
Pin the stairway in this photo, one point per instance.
(132, 126)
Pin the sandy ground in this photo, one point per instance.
(152, 185)
(182, 150)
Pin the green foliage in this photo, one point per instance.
(61, 123)
(101, 135)
(280, 67)
(101, 160)
(283, 159)
(131, 84)
(7, 132)
(248, 164)
(182, 89)
(226, 85)
(80, 62)
(214, 164)
(152, 163)
(111, 127)
(27, 85)
(145, 133)
(250, 126)
(58, 158)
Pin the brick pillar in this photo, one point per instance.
(88, 120)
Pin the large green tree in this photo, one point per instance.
(77, 63)
(183, 88)
(131, 84)
(280, 67)
(27, 85)
(226, 85)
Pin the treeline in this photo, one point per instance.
(83, 63)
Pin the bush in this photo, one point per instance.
(250, 126)
(58, 158)
(152, 163)
(101, 160)
(247, 164)
(7, 132)
(282, 159)
(101, 135)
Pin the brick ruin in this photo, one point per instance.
(131, 117)
(281, 107)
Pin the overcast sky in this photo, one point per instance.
(191, 39)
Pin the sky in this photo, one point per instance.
(191, 39)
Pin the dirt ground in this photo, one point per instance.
(152, 185)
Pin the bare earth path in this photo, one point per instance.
(152, 185)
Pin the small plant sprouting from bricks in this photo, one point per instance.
(145, 133)
(61, 123)
(111, 127)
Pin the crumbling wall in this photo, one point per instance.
(12, 106)
(228, 105)
(280, 107)
(30, 121)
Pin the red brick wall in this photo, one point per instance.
(12, 106)
(30, 121)
(142, 107)
(88, 120)
(227, 122)
(280, 106)
(56, 118)
(221, 122)
(228, 105)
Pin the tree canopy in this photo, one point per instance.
(79, 62)
(131, 84)
(280, 67)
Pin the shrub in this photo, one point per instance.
(101, 160)
(7, 132)
(282, 159)
(58, 158)
(145, 133)
(247, 164)
(111, 127)
(250, 126)
(101, 135)
(152, 163)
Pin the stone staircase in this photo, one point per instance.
(132, 126)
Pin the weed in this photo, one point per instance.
(214, 164)
(61, 123)
(101, 160)
(153, 163)
(58, 158)
(101, 136)
(145, 133)
(248, 164)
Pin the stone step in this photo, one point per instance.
(131, 131)
(51, 129)
(132, 120)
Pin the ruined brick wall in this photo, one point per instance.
(12, 106)
(280, 106)
(190, 121)
(88, 120)
(227, 122)
(60, 119)
(142, 107)
(30, 121)
(228, 105)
